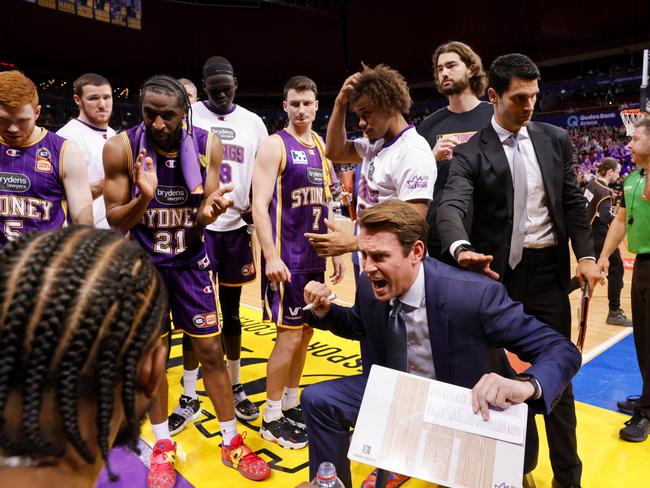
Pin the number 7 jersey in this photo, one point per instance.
(299, 203)
(168, 229)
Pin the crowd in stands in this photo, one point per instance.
(592, 144)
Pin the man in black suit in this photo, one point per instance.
(444, 323)
(516, 175)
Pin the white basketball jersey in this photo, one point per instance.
(91, 141)
(241, 133)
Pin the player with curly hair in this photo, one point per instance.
(396, 162)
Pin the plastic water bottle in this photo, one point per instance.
(326, 477)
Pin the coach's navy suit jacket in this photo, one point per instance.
(471, 321)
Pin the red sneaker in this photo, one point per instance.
(161, 470)
(393, 480)
(239, 456)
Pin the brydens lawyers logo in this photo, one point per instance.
(14, 153)
(204, 320)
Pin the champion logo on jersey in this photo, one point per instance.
(207, 289)
(298, 157)
(312, 152)
(170, 163)
(14, 153)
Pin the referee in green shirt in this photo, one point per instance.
(634, 218)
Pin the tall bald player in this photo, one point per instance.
(227, 240)
(94, 97)
(40, 172)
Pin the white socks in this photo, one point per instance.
(228, 430)
(161, 430)
(273, 410)
(232, 365)
(290, 398)
(190, 377)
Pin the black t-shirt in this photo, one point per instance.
(462, 125)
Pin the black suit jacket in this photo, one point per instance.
(480, 176)
(471, 320)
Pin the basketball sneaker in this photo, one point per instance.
(161, 469)
(240, 457)
(636, 429)
(629, 404)
(284, 433)
(294, 415)
(393, 480)
(244, 408)
(187, 410)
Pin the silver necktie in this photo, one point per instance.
(519, 213)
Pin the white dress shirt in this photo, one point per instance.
(539, 231)
(539, 228)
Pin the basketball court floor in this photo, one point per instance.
(609, 373)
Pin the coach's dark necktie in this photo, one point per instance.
(396, 338)
(520, 192)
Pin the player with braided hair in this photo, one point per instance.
(162, 186)
(80, 311)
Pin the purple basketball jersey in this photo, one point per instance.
(168, 229)
(298, 205)
(31, 186)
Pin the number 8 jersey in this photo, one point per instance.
(168, 229)
(299, 203)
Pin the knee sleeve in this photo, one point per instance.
(229, 297)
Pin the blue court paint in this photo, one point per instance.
(609, 377)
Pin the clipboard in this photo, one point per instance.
(583, 312)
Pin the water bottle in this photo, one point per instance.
(326, 477)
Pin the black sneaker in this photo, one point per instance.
(294, 415)
(284, 433)
(636, 429)
(187, 410)
(617, 317)
(629, 404)
(244, 408)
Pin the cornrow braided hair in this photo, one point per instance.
(78, 308)
(169, 86)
